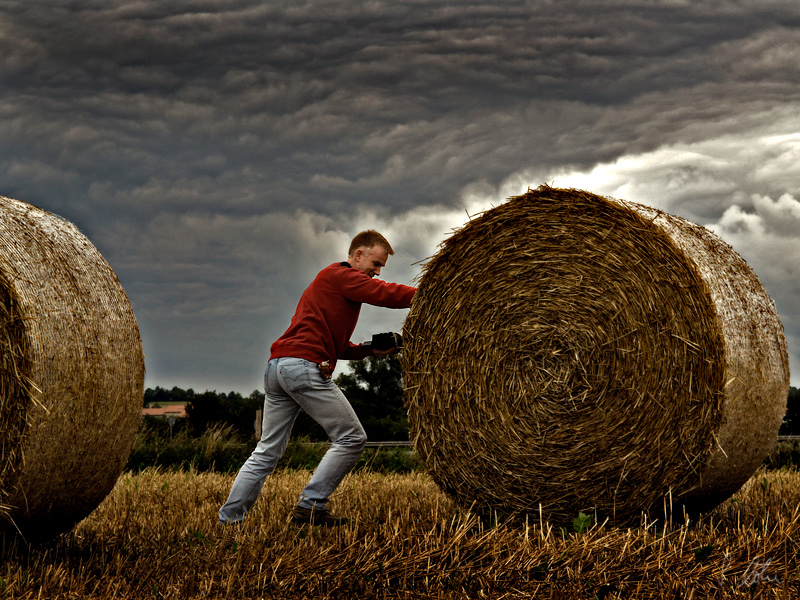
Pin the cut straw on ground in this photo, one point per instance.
(156, 536)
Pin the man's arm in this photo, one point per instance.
(360, 287)
(387, 343)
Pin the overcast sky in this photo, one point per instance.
(220, 152)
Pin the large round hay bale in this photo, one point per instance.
(71, 375)
(568, 352)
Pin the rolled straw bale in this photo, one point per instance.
(71, 375)
(567, 352)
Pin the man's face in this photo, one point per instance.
(370, 260)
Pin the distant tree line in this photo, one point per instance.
(791, 422)
(373, 386)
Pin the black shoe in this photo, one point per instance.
(316, 517)
(230, 523)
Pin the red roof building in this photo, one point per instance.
(173, 410)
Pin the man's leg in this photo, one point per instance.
(280, 412)
(328, 406)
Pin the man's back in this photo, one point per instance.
(328, 311)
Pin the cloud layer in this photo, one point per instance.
(219, 152)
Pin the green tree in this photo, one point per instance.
(211, 408)
(203, 410)
(791, 422)
(374, 387)
(159, 395)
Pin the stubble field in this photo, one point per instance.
(156, 536)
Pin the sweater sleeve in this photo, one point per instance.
(355, 352)
(357, 286)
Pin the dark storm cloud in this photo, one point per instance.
(297, 98)
(219, 152)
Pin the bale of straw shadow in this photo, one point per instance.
(568, 352)
(71, 373)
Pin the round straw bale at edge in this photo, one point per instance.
(756, 381)
(72, 374)
(569, 352)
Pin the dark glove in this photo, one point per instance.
(386, 341)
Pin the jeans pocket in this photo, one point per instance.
(296, 374)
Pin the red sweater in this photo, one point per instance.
(328, 311)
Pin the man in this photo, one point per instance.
(299, 372)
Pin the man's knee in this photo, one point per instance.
(355, 440)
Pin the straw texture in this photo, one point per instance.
(567, 352)
(71, 374)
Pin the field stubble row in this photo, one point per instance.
(156, 536)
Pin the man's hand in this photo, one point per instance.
(376, 352)
(386, 343)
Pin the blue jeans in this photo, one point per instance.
(292, 384)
